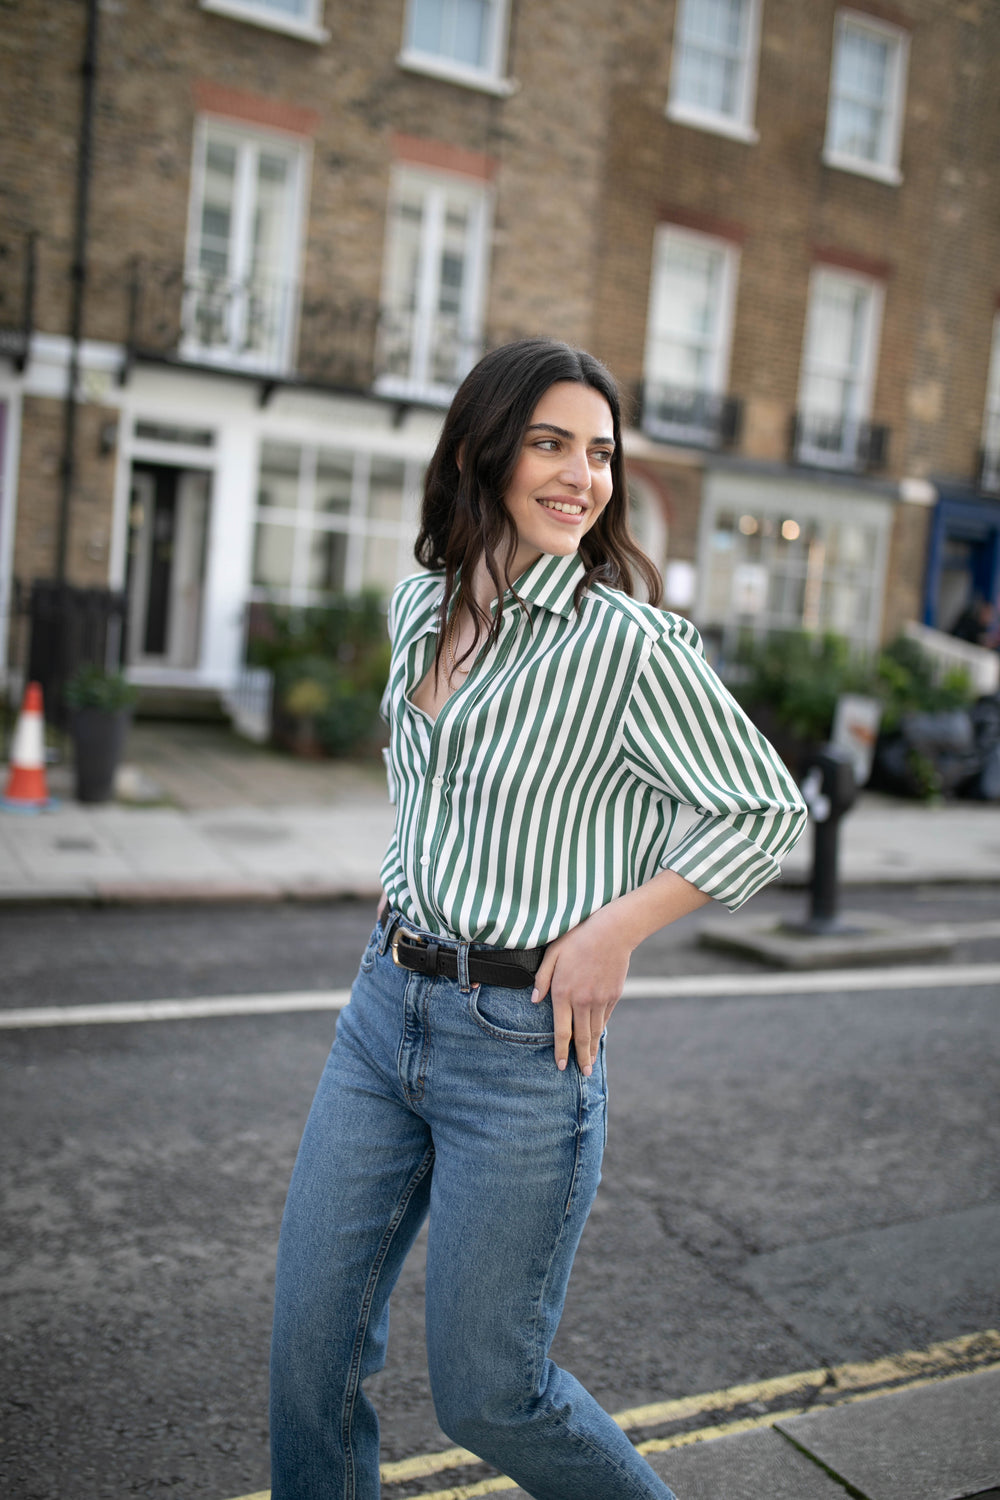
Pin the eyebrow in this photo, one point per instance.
(564, 433)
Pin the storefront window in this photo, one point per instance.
(793, 566)
(331, 521)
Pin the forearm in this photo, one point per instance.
(638, 914)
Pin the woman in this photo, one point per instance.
(545, 727)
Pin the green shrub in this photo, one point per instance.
(799, 677)
(905, 682)
(330, 665)
(93, 687)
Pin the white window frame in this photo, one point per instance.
(435, 186)
(308, 28)
(355, 524)
(721, 344)
(886, 168)
(990, 477)
(847, 457)
(490, 77)
(248, 140)
(739, 125)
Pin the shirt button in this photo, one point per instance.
(425, 860)
(438, 781)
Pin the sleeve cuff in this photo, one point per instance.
(722, 862)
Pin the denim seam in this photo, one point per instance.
(353, 1381)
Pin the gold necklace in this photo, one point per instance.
(449, 649)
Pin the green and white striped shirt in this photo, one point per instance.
(550, 781)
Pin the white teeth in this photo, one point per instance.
(569, 510)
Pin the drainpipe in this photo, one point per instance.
(78, 282)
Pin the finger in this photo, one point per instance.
(582, 1040)
(543, 978)
(562, 1016)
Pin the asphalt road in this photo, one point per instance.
(789, 1180)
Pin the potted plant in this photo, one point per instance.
(100, 705)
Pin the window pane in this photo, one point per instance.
(862, 94)
(380, 564)
(279, 476)
(712, 45)
(334, 477)
(217, 208)
(272, 555)
(686, 332)
(385, 490)
(453, 29)
(327, 560)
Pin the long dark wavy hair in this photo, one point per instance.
(464, 517)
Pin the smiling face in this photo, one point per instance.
(562, 480)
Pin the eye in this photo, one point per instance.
(547, 445)
(603, 455)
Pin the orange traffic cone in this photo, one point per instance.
(26, 790)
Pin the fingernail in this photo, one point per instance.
(587, 1071)
(535, 997)
(561, 1065)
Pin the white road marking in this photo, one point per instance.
(691, 986)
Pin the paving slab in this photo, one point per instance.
(759, 1465)
(847, 1292)
(938, 1443)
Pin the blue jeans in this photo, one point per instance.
(444, 1101)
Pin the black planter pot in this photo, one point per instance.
(98, 742)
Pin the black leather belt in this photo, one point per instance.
(513, 968)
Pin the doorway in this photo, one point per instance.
(168, 529)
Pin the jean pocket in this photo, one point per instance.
(509, 1016)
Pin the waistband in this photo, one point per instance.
(452, 958)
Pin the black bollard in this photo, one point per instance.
(830, 790)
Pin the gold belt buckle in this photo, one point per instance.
(401, 932)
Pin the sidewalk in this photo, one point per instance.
(204, 815)
(937, 1441)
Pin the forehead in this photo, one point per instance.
(578, 408)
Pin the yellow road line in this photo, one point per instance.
(423, 1463)
(846, 1383)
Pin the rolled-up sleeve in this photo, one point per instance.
(684, 734)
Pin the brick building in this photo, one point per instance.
(306, 217)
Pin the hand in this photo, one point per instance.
(585, 972)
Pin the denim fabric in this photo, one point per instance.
(434, 1100)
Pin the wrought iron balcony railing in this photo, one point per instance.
(829, 441)
(676, 414)
(17, 299)
(272, 330)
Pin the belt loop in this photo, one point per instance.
(388, 929)
(463, 968)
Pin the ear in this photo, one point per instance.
(460, 455)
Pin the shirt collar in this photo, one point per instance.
(551, 582)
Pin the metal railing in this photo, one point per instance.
(679, 414)
(829, 441)
(272, 328)
(68, 628)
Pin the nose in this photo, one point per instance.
(575, 469)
